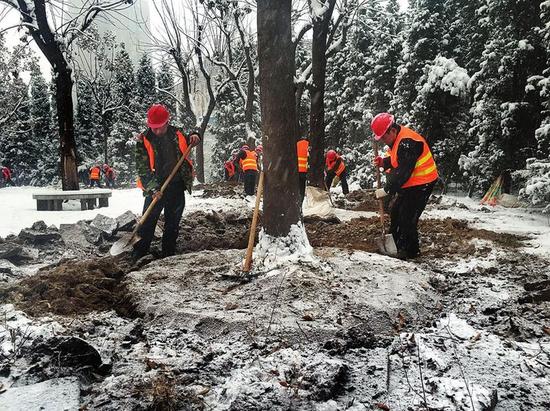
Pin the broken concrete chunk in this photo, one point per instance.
(50, 395)
(7, 267)
(40, 235)
(126, 221)
(10, 250)
(105, 224)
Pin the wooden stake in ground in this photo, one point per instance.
(387, 243)
(248, 260)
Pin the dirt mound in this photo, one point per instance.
(440, 238)
(210, 231)
(358, 200)
(72, 287)
(227, 189)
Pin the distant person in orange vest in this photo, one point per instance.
(158, 150)
(5, 173)
(95, 176)
(336, 171)
(302, 152)
(109, 176)
(230, 171)
(248, 160)
(412, 176)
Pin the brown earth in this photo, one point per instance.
(78, 287)
(72, 287)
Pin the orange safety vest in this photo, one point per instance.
(302, 148)
(182, 143)
(340, 168)
(250, 162)
(230, 167)
(94, 173)
(425, 170)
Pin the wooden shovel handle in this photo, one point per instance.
(149, 210)
(248, 260)
(379, 185)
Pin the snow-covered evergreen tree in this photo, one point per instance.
(425, 40)
(441, 113)
(505, 111)
(42, 136)
(88, 135)
(145, 92)
(127, 119)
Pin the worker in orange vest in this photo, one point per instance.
(229, 169)
(336, 171)
(412, 176)
(95, 176)
(248, 160)
(158, 150)
(109, 176)
(302, 152)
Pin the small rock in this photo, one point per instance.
(105, 224)
(10, 250)
(41, 236)
(126, 221)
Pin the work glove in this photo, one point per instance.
(380, 193)
(335, 181)
(378, 161)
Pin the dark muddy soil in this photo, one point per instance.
(227, 189)
(72, 287)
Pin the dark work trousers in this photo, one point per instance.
(409, 205)
(250, 182)
(343, 181)
(95, 182)
(302, 178)
(173, 203)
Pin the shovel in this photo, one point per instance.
(248, 259)
(385, 243)
(126, 242)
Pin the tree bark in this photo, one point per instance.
(278, 108)
(65, 122)
(317, 112)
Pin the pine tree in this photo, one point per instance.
(145, 94)
(505, 112)
(42, 136)
(88, 126)
(127, 120)
(426, 29)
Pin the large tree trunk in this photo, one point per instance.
(65, 121)
(278, 108)
(317, 112)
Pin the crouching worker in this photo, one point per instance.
(158, 150)
(336, 171)
(412, 174)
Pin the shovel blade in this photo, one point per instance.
(387, 245)
(125, 243)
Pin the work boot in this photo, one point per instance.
(402, 255)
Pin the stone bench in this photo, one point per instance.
(53, 200)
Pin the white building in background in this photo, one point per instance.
(129, 26)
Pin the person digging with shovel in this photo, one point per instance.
(158, 153)
(411, 177)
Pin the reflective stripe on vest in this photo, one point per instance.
(302, 150)
(94, 173)
(340, 168)
(425, 170)
(250, 162)
(182, 143)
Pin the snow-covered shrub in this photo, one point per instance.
(537, 185)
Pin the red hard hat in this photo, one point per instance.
(157, 116)
(245, 147)
(331, 155)
(380, 124)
